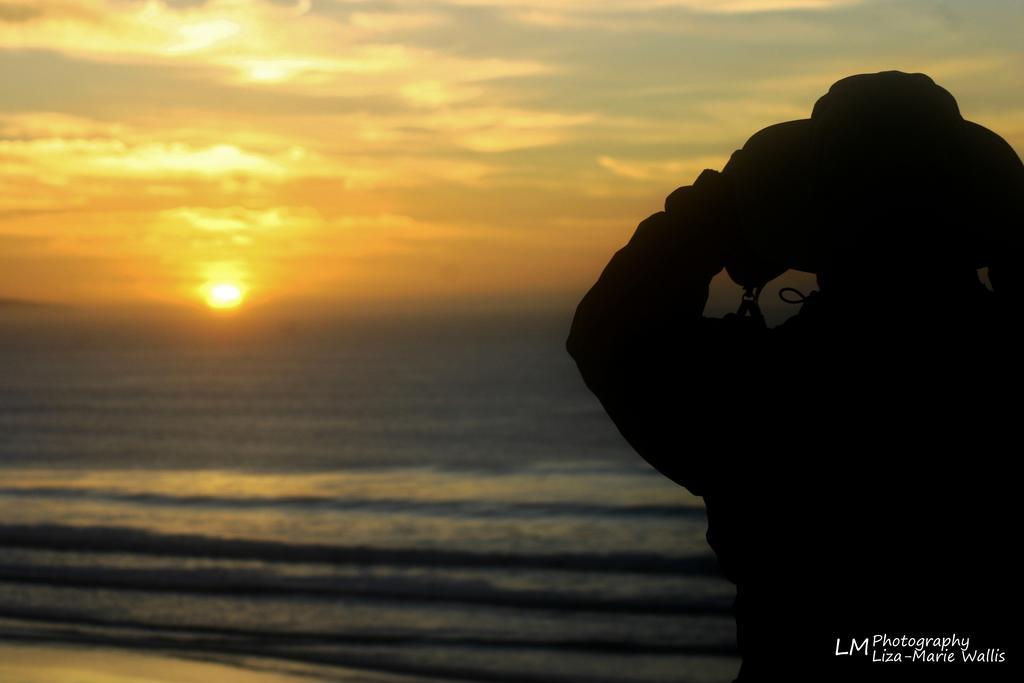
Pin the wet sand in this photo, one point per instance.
(70, 664)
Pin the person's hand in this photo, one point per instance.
(703, 222)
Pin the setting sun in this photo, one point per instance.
(223, 295)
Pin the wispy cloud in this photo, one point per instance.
(708, 6)
(257, 42)
(658, 171)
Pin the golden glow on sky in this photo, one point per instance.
(343, 150)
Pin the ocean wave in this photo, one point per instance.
(104, 539)
(407, 638)
(242, 582)
(466, 508)
(391, 660)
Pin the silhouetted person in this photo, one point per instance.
(858, 462)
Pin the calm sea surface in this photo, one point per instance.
(433, 499)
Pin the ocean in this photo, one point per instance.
(436, 498)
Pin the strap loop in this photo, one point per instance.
(801, 296)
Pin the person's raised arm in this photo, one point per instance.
(641, 342)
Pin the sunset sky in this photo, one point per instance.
(344, 151)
